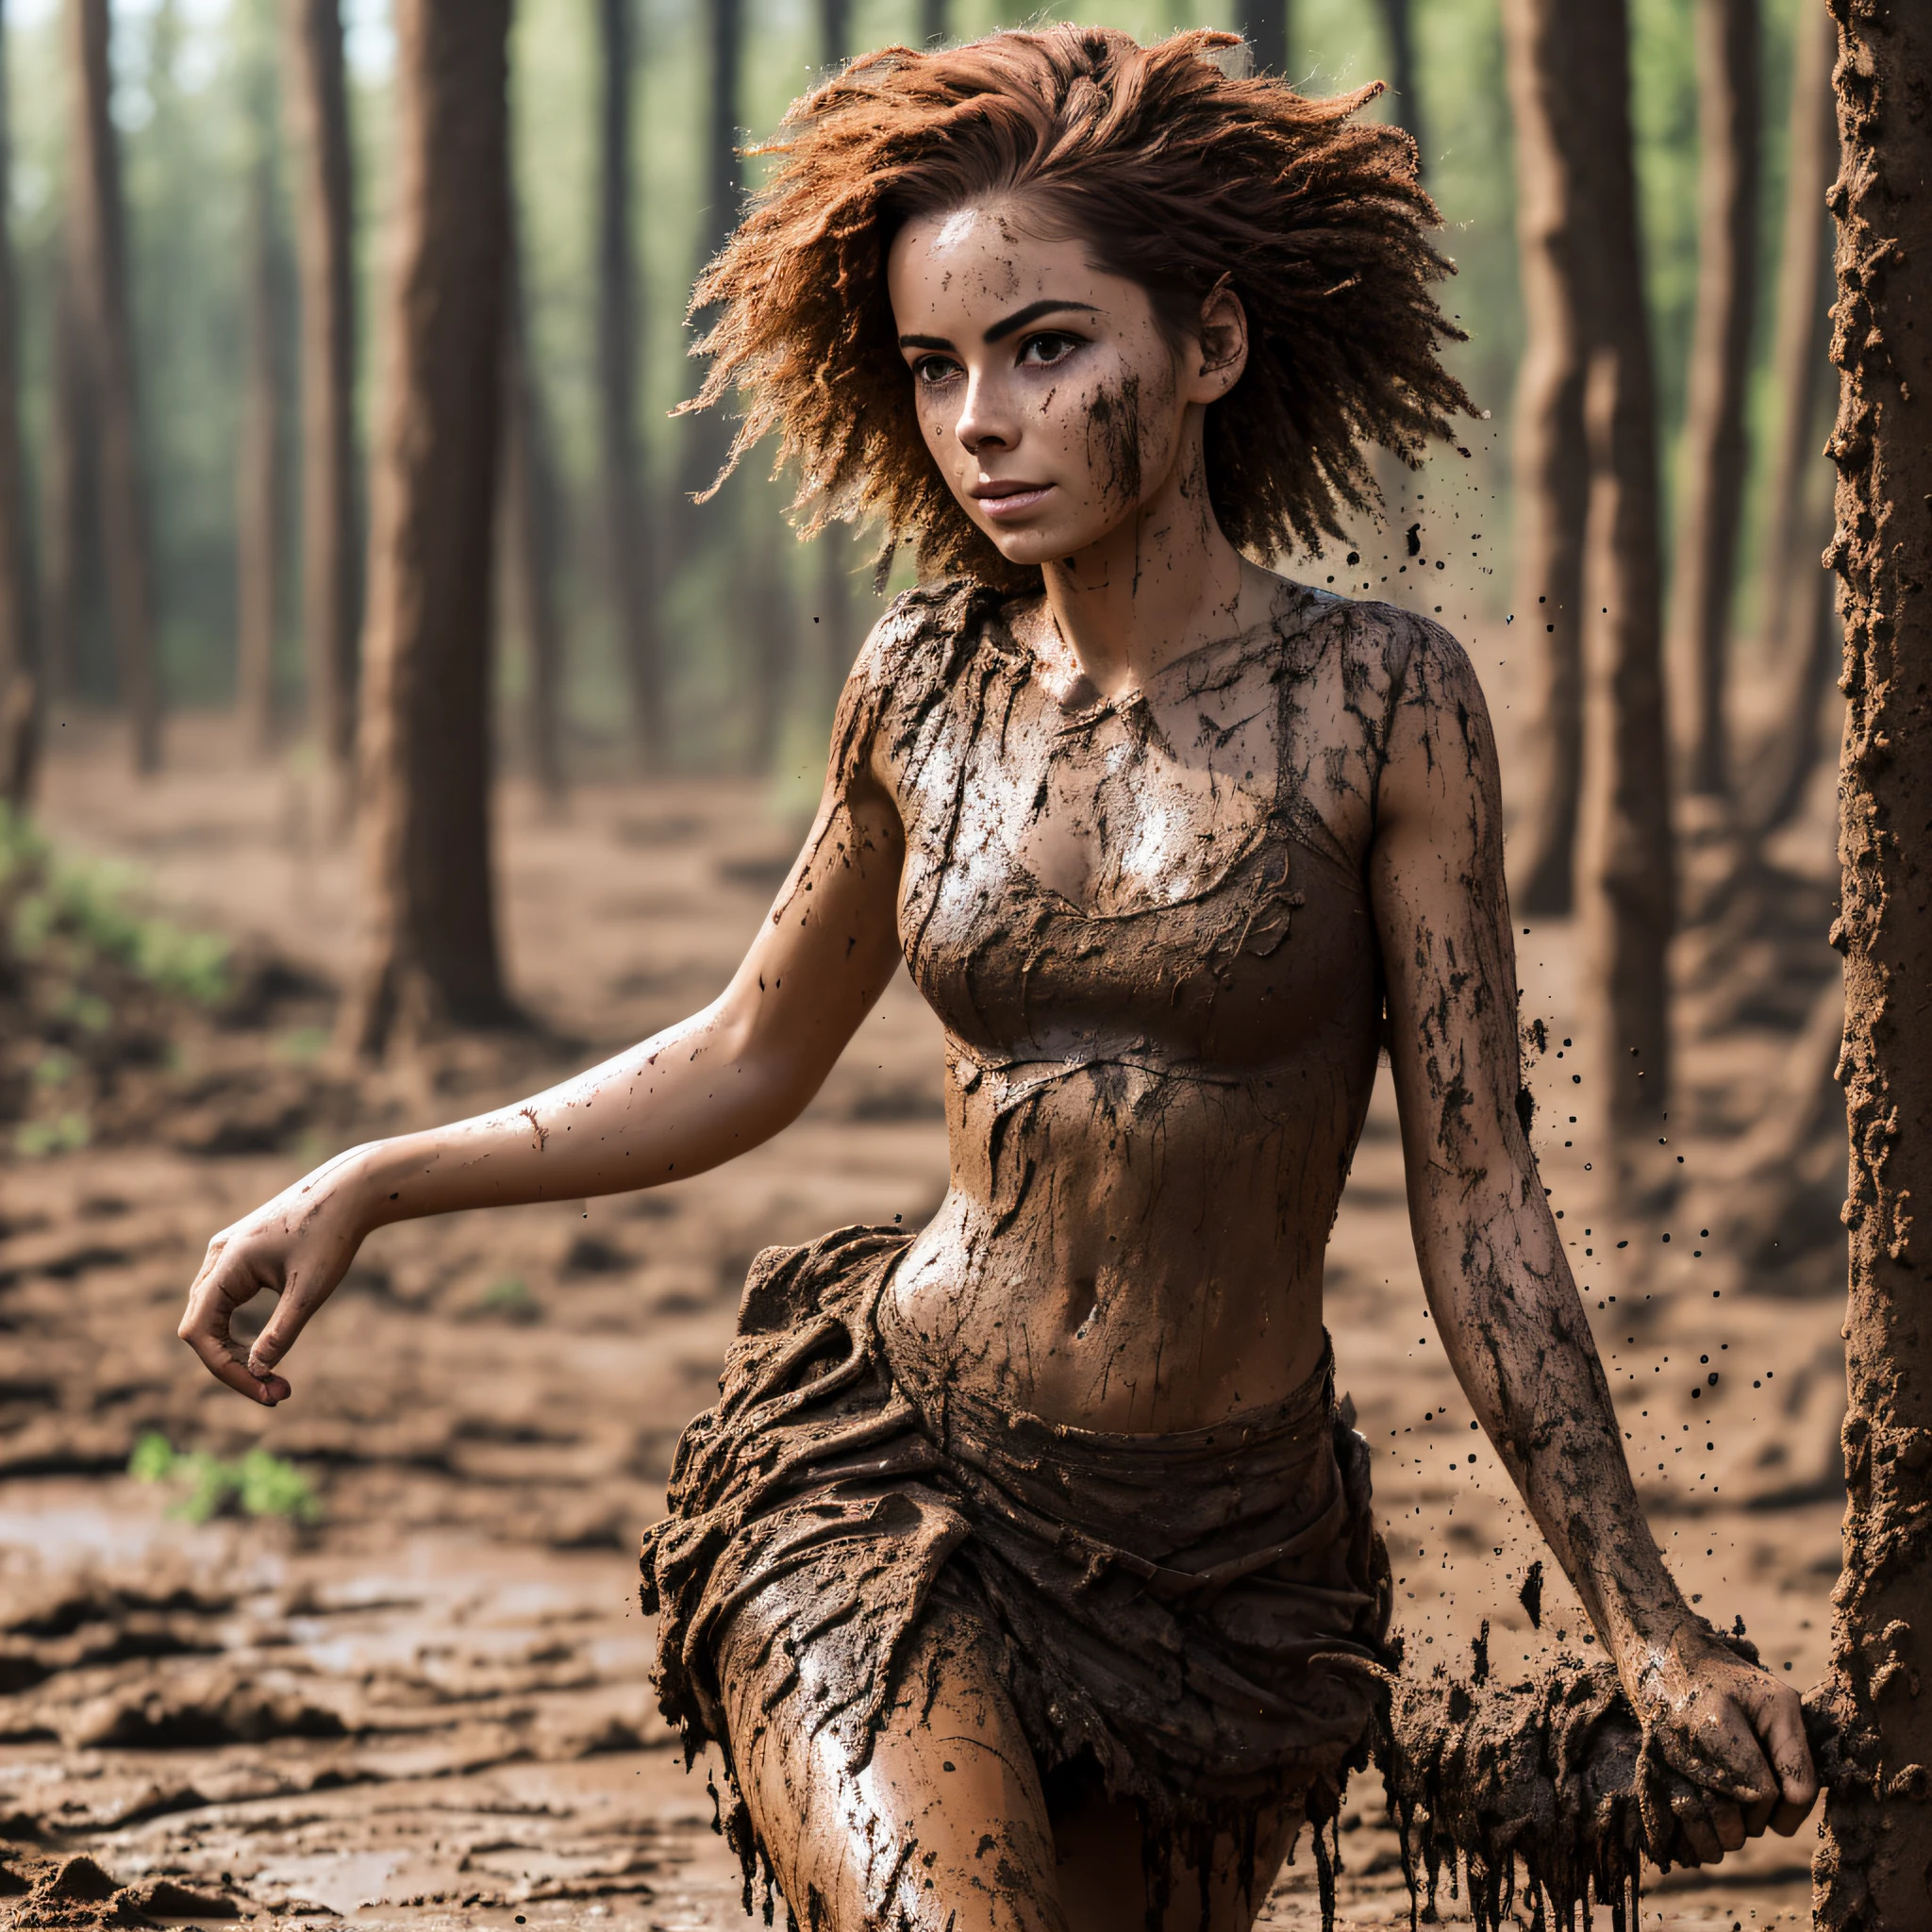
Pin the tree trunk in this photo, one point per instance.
(1630, 865)
(708, 437)
(20, 694)
(528, 486)
(65, 494)
(1871, 1870)
(1551, 460)
(318, 114)
(429, 953)
(1797, 617)
(97, 225)
(1266, 27)
(934, 25)
(259, 459)
(1399, 25)
(628, 528)
(1714, 445)
(835, 33)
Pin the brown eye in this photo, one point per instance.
(1042, 351)
(931, 370)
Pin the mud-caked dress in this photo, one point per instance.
(1194, 1621)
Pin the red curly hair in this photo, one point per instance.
(1172, 173)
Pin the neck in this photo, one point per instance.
(1162, 582)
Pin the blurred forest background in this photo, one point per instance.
(200, 109)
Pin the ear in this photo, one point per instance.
(1220, 352)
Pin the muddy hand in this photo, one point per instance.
(297, 1247)
(1734, 1734)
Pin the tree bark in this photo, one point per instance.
(1797, 619)
(429, 954)
(318, 112)
(628, 528)
(835, 33)
(64, 488)
(1630, 870)
(97, 227)
(708, 437)
(935, 26)
(1398, 23)
(1728, 122)
(528, 525)
(1551, 459)
(1267, 27)
(259, 459)
(1871, 1870)
(21, 694)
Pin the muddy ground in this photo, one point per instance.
(430, 1706)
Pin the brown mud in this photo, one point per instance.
(432, 1706)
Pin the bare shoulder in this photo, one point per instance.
(909, 661)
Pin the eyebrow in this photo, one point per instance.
(1018, 320)
(1032, 312)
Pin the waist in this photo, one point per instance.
(1095, 1310)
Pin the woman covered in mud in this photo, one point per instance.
(1024, 1574)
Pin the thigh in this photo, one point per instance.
(1102, 1870)
(944, 1828)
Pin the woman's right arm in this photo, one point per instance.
(685, 1100)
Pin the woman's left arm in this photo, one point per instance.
(1493, 1267)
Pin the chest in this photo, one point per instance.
(1157, 870)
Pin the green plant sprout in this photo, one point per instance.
(257, 1484)
(509, 1300)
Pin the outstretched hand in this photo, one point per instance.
(1734, 1735)
(297, 1247)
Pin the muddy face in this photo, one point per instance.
(1058, 412)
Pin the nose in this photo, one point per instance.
(985, 416)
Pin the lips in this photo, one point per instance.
(1009, 499)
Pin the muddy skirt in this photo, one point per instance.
(1194, 1623)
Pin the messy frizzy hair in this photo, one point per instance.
(1172, 169)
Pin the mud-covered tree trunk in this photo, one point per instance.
(627, 530)
(527, 510)
(934, 22)
(1629, 869)
(97, 225)
(1398, 27)
(318, 114)
(429, 953)
(258, 458)
(1551, 494)
(1872, 1870)
(1729, 117)
(21, 694)
(1795, 589)
(1267, 25)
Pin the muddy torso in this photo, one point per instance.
(1144, 922)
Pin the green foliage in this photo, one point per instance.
(67, 1133)
(257, 1484)
(509, 1299)
(85, 911)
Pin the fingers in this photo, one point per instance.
(1696, 1829)
(1779, 1720)
(298, 1301)
(205, 1331)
